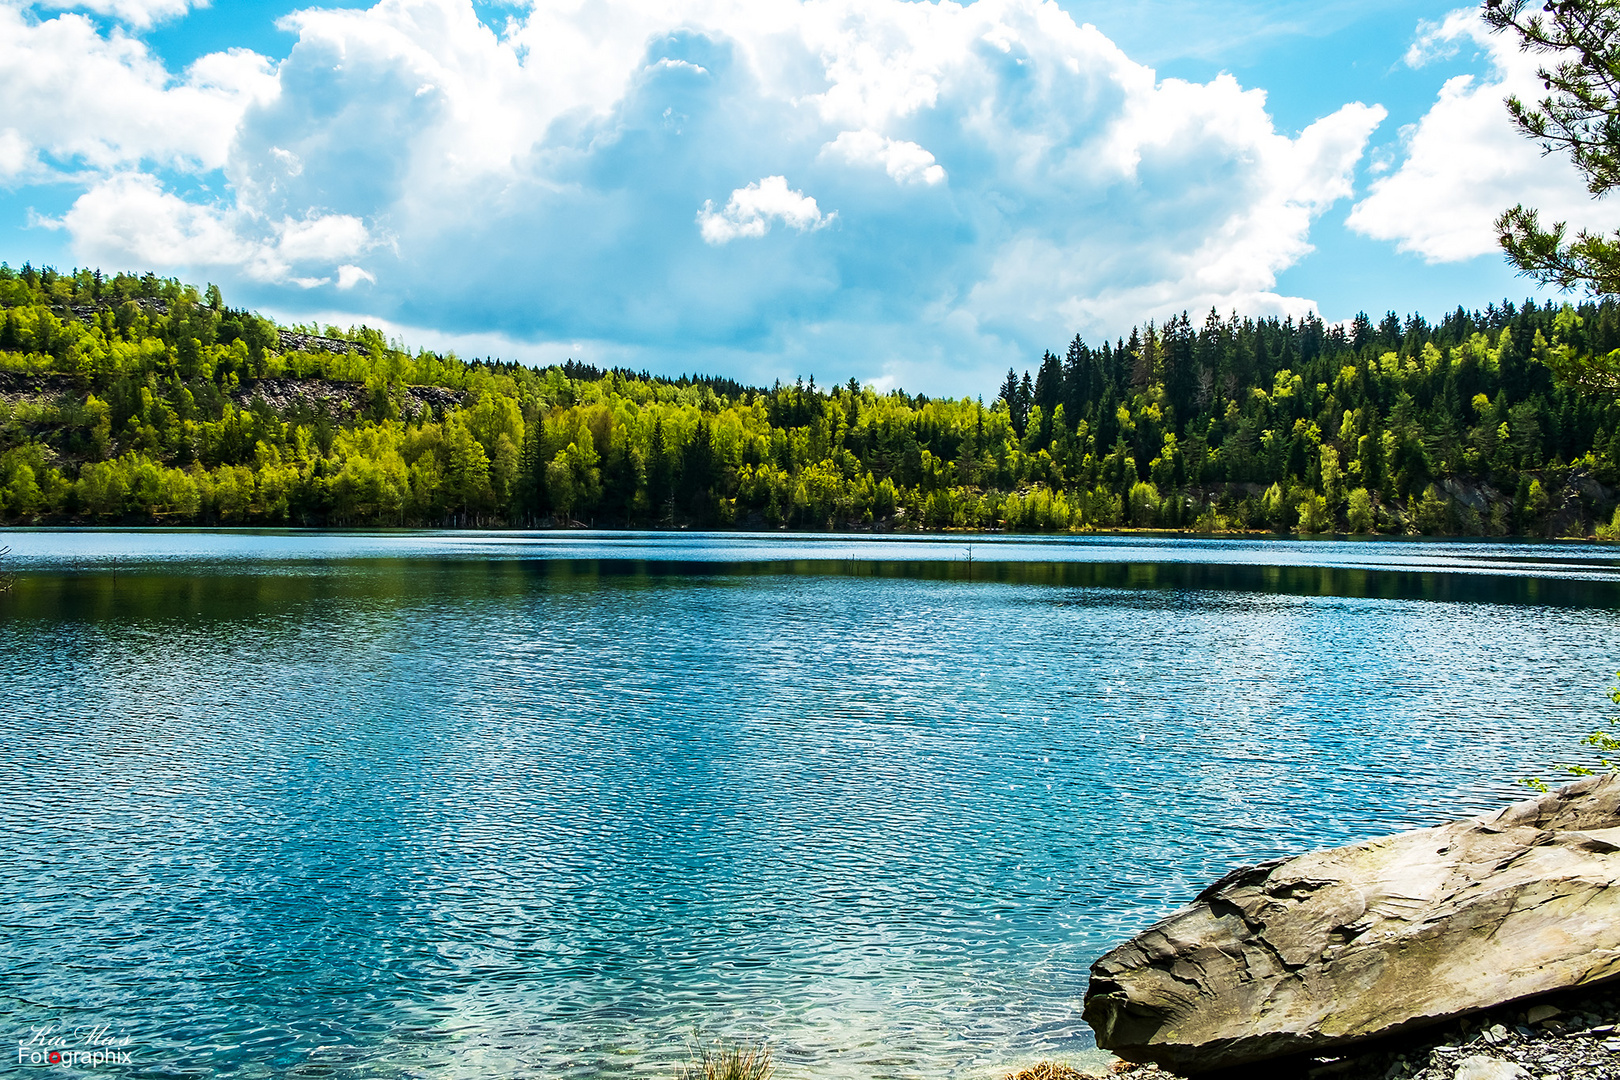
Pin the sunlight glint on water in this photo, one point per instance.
(462, 806)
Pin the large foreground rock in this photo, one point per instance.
(1308, 954)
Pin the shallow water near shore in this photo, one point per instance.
(465, 805)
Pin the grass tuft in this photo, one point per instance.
(722, 1062)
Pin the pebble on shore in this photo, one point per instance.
(1570, 1035)
(1054, 1070)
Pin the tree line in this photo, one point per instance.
(131, 398)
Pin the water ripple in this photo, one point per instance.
(382, 806)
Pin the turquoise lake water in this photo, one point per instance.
(489, 805)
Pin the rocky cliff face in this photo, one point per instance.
(339, 399)
(291, 341)
(1335, 947)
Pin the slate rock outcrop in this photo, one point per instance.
(341, 399)
(292, 341)
(1324, 950)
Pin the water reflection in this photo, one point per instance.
(385, 816)
(148, 590)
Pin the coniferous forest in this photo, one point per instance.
(134, 399)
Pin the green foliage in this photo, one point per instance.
(1144, 504)
(1606, 745)
(135, 400)
(1579, 116)
(1361, 517)
(722, 1062)
(1313, 515)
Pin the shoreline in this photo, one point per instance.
(1571, 1034)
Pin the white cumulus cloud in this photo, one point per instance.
(16, 155)
(905, 161)
(350, 276)
(76, 97)
(137, 13)
(1463, 163)
(751, 209)
(1001, 177)
(129, 220)
(322, 238)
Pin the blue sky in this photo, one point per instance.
(907, 193)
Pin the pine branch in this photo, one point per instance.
(1581, 113)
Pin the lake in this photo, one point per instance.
(475, 805)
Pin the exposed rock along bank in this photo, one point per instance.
(1314, 954)
(340, 399)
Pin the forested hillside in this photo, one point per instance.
(139, 400)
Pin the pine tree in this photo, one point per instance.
(1361, 331)
(1009, 390)
(1140, 359)
(698, 472)
(657, 470)
(1579, 116)
(1077, 368)
(531, 487)
(1049, 384)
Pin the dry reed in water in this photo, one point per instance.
(722, 1062)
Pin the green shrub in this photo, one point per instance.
(1361, 515)
(1144, 503)
(1313, 515)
